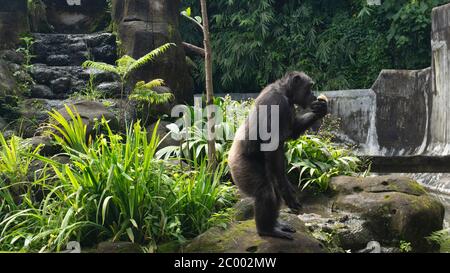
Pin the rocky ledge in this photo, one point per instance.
(391, 210)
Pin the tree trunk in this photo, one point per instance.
(209, 87)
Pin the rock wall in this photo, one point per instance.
(402, 111)
(439, 141)
(13, 22)
(57, 69)
(144, 25)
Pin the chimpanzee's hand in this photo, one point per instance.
(320, 108)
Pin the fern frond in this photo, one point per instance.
(149, 57)
(144, 92)
(100, 66)
(124, 64)
(150, 85)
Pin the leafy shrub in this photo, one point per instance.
(313, 159)
(341, 44)
(114, 188)
(316, 160)
(442, 237)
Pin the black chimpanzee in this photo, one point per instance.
(261, 172)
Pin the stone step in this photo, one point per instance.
(73, 49)
(59, 82)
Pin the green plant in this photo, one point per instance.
(340, 44)
(90, 92)
(70, 134)
(144, 92)
(114, 188)
(442, 238)
(126, 65)
(14, 164)
(405, 246)
(314, 161)
(26, 49)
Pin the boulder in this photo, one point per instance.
(241, 237)
(144, 25)
(386, 209)
(76, 16)
(41, 91)
(118, 247)
(48, 148)
(91, 112)
(395, 208)
(110, 89)
(13, 22)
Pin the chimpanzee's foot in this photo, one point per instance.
(277, 233)
(285, 227)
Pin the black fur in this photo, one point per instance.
(262, 174)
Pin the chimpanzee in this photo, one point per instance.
(260, 171)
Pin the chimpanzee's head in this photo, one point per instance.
(300, 86)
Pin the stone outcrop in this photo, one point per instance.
(76, 16)
(144, 25)
(387, 209)
(357, 210)
(241, 237)
(57, 71)
(91, 113)
(13, 22)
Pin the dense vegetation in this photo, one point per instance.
(341, 44)
(118, 187)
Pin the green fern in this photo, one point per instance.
(145, 92)
(149, 57)
(127, 64)
(441, 237)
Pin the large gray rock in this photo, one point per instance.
(147, 24)
(387, 209)
(91, 113)
(13, 22)
(241, 237)
(65, 16)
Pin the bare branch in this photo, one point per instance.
(194, 49)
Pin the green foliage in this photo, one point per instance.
(405, 246)
(27, 42)
(90, 93)
(71, 133)
(144, 92)
(194, 147)
(113, 188)
(126, 65)
(442, 238)
(315, 160)
(341, 44)
(14, 166)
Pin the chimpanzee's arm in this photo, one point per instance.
(305, 121)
